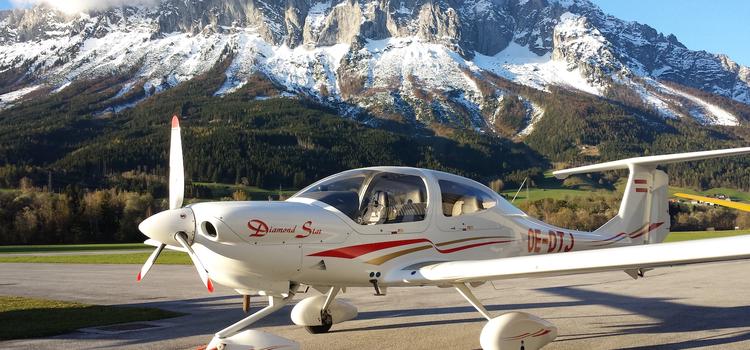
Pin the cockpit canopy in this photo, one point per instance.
(397, 195)
(372, 197)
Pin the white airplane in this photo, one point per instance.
(386, 227)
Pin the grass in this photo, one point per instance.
(220, 190)
(70, 247)
(166, 257)
(693, 235)
(550, 187)
(31, 318)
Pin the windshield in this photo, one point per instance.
(372, 197)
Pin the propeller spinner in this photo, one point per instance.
(176, 226)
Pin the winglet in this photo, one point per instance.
(175, 122)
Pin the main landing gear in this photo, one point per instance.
(317, 314)
(237, 336)
(510, 331)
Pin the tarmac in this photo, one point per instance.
(689, 307)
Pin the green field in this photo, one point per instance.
(220, 190)
(550, 187)
(166, 257)
(32, 318)
(693, 235)
(70, 247)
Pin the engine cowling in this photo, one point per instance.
(307, 311)
(517, 330)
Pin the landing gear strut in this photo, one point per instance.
(325, 314)
(318, 313)
(510, 331)
(237, 336)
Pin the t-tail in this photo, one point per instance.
(644, 211)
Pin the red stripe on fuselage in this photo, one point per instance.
(362, 249)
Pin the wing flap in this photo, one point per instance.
(599, 260)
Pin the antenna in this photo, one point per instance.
(519, 190)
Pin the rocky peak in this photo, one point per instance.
(415, 58)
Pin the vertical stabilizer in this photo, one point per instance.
(644, 212)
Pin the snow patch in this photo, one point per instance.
(707, 113)
(519, 64)
(7, 99)
(534, 114)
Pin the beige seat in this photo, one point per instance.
(470, 205)
(457, 208)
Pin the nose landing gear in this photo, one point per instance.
(319, 313)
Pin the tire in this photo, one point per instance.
(318, 329)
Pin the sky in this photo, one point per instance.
(715, 26)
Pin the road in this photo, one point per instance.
(704, 306)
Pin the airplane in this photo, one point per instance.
(721, 202)
(388, 227)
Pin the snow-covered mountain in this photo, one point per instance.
(419, 60)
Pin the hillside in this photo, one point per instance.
(275, 96)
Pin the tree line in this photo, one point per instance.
(32, 215)
(590, 213)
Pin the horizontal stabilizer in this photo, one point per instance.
(651, 161)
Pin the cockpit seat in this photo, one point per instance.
(471, 205)
(377, 209)
(465, 205)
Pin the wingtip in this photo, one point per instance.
(210, 286)
(139, 277)
(175, 122)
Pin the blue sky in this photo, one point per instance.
(714, 26)
(719, 27)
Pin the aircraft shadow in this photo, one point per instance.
(669, 317)
(210, 314)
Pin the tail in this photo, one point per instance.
(643, 217)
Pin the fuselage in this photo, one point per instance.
(325, 235)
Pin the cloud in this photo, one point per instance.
(75, 6)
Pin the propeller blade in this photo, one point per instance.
(198, 265)
(176, 167)
(150, 262)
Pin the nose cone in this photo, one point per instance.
(163, 226)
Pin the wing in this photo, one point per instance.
(728, 204)
(599, 260)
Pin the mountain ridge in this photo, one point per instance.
(371, 58)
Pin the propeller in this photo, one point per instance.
(171, 226)
(150, 262)
(180, 237)
(176, 168)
